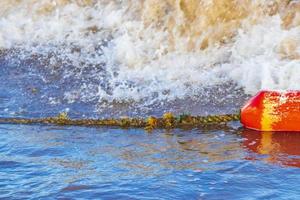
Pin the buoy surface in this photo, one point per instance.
(272, 111)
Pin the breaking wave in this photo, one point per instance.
(153, 50)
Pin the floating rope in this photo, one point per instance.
(168, 121)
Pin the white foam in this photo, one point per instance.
(141, 55)
(256, 62)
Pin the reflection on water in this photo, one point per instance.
(280, 147)
(181, 152)
(112, 58)
(48, 162)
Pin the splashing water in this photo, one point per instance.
(152, 50)
(94, 58)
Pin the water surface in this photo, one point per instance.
(110, 58)
(47, 162)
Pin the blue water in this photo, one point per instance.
(54, 162)
(49, 162)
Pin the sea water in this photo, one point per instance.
(112, 58)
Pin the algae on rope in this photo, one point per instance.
(168, 121)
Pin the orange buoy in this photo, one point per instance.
(272, 111)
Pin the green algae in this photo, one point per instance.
(167, 121)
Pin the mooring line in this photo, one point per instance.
(167, 121)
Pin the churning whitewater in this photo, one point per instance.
(153, 50)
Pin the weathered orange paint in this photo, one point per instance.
(272, 111)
